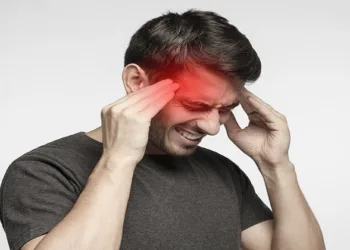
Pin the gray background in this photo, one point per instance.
(61, 62)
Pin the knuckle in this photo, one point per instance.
(127, 113)
(104, 110)
(115, 110)
(141, 119)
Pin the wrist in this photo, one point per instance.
(113, 166)
(283, 174)
(119, 158)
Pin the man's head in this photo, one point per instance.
(208, 57)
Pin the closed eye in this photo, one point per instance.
(203, 109)
(197, 109)
(224, 110)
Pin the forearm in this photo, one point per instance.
(295, 225)
(96, 219)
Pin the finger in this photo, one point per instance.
(153, 97)
(231, 125)
(246, 106)
(271, 120)
(256, 119)
(148, 90)
(246, 93)
(115, 102)
(134, 97)
(141, 93)
(151, 110)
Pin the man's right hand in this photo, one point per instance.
(126, 122)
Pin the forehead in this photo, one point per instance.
(203, 85)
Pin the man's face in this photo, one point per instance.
(186, 113)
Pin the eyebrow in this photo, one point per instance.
(206, 105)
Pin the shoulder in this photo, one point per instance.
(67, 158)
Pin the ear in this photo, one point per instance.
(134, 78)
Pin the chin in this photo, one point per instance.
(171, 143)
(174, 149)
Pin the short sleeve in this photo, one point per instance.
(253, 209)
(35, 196)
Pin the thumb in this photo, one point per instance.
(231, 125)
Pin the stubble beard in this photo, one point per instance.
(157, 134)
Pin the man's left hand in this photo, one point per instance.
(266, 139)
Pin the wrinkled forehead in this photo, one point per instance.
(208, 87)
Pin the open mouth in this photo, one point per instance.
(189, 137)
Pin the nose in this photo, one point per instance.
(210, 123)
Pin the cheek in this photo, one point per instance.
(177, 115)
(175, 111)
(168, 116)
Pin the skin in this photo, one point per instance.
(204, 86)
(199, 84)
(266, 140)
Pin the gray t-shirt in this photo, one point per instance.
(203, 201)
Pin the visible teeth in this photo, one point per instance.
(189, 136)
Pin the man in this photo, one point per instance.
(141, 181)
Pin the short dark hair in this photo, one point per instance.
(166, 45)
